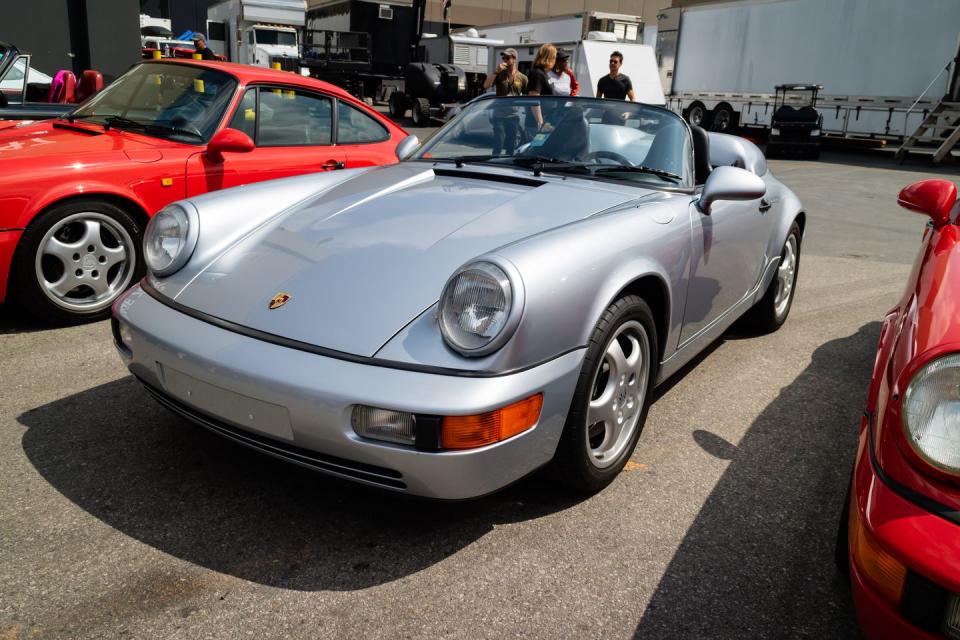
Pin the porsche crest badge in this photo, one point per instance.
(279, 300)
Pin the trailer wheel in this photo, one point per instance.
(723, 118)
(696, 114)
(398, 105)
(421, 111)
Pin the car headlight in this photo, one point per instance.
(815, 132)
(774, 131)
(170, 239)
(931, 413)
(480, 308)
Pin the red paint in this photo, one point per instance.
(933, 197)
(43, 163)
(924, 326)
(228, 140)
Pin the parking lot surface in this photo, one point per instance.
(118, 519)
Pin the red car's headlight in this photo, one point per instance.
(931, 413)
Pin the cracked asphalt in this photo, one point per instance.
(118, 519)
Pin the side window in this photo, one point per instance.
(12, 83)
(288, 118)
(355, 126)
(245, 117)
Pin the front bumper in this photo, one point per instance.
(8, 244)
(297, 405)
(927, 544)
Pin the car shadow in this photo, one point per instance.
(767, 530)
(198, 497)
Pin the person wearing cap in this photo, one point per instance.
(200, 46)
(507, 81)
(561, 77)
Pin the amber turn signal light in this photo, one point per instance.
(468, 432)
(884, 572)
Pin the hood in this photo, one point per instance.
(369, 256)
(59, 139)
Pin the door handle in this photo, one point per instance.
(764, 205)
(333, 164)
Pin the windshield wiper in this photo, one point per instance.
(172, 129)
(461, 160)
(539, 163)
(622, 168)
(120, 122)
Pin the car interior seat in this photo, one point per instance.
(668, 148)
(63, 88)
(701, 154)
(569, 140)
(91, 82)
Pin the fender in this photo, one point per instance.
(49, 197)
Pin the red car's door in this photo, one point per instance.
(366, 140)
(293, 131)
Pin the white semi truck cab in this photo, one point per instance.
(257, 32)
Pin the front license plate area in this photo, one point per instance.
(242, 411)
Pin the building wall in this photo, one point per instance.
(74, 34)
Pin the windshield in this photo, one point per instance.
(179, 102)
(597, 138)
(270, 36)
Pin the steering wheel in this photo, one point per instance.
(608, 155)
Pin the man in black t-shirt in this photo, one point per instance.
(615, 85)
(200, 46)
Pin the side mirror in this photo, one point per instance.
(730, 183)
(407, 146)
(231, 140)
(932, 197)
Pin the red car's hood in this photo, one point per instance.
(6, 124)
(62, 140)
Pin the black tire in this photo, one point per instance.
(398, 105)
(815, 154)
(767, 316)
(772, 151)
(722, 120)
(697, 115)
(67, 222)
(421, 112)
(573, 463)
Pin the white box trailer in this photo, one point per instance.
(257, 32)
(874, 58)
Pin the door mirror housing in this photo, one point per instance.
(407, 146)
(935, 198)
(730, 183)
(231, 140)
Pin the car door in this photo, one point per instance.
(365, 140)
(293, 133)
(728, 253)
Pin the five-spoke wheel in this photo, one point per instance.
(75, 259)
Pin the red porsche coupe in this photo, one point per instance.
(76, 192)
(900, 532)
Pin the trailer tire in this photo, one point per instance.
(724, 119)
(398, 105)
(421, 112)
(696, 115)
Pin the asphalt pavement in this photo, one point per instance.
(118, 519)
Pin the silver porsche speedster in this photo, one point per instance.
(504, 298)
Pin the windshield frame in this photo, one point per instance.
(226, 109)
(686, 185)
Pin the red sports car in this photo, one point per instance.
(900, 534)
(77, 192)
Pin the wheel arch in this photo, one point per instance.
(652, 288)
(127, 202)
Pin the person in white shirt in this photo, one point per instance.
(561, 78)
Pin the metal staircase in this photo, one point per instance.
(943, 124)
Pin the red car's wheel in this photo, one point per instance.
(75, 259)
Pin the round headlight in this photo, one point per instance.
(169, 240)
(931, 413)
(476, 309)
